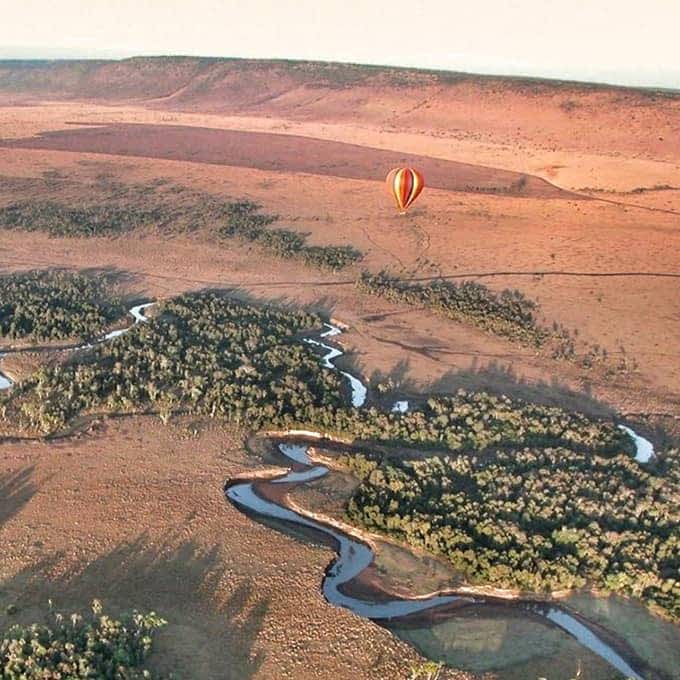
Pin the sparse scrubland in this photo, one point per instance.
(60, 220)
(57, 305)
(508, 313)
(170, 208)
(77, 646)
(245, 222)
(173, 208)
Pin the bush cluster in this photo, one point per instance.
(94, 646)
(59, 220)
(535, 519)
(172, 209)
(55, 305)
(508, 313)
(476, 421)
(203, 353)
(245, 222)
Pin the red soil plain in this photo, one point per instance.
(567, 192)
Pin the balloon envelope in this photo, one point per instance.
(405, 184)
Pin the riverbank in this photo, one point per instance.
(269, 498)
(133, 513)
(414, 611)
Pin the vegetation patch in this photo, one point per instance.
(245, 222)
(208, 354)
(508, 313)
(60, 220)
(112, 208)
(55, 305)
(534, 519)
(91, 646)
(477, 421)
(205, 354)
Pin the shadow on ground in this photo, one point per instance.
(213, 624)
(499, 378)
(16, 489)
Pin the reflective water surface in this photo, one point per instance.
(554, 629)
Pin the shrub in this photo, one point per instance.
(508, 313)
(331, 257)
(207, 354)
(94, 646)
(212, 355)
(245, 222)
(59, 220)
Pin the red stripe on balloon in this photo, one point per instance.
(405, 184)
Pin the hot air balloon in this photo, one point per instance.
(405, 184)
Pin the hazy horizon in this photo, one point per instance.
(614, 79)
(589, 41)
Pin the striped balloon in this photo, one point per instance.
(405, 184)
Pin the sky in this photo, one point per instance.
(630, 42)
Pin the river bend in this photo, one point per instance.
(353, 556)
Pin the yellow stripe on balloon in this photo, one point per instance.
(401, 186)
(405, 184)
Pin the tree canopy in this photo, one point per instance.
(56, 305)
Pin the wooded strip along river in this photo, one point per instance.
(354, 555)
(260, 498)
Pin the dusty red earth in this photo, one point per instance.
(592, 232)
(281, 153)
(134, 514)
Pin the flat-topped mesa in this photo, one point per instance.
(231, 82)
(594, 117)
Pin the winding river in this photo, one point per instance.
(136, 312)
(260, 498)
